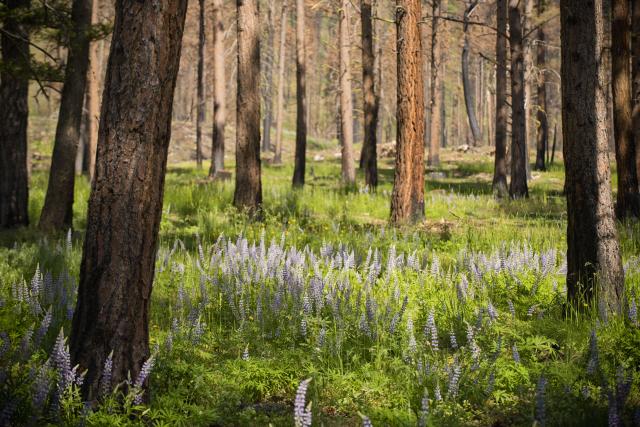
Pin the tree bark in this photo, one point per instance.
(635, 69)
(117, 268)
(346, 106)
(201, 107)
(518, 186)
(371, 101)
(57, 212)
(502, 109)
(219, 92)
(277, 159)
(14, 113)
(594, 266)
(92, 96)
(407, 199)
(628, 198)
(268, 70)
(248, 193)
(542, 135)
(438, 64)
(301, 99)
(527, 47)
(466, 80)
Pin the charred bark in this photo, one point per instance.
(542, 135)
(466, 80)
(301, 99)
(369, 158)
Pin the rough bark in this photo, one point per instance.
(438, 64)
(14, 112)
(369, 158)
(542, 134)
(407, 199)
(92, 97)
(346, 106)
(635, 70)
(268, 70)
(277, 158)
(57, 212)
(301, 99)
(248, 192)
(466, 80)
(117, 268)
(628, 199)
(594, 266)
(201, 107)
(527, 48)
(219, 92)
(518, 186)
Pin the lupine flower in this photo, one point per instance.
(493, 313)
(516, 355)
(540, 413)
(366, 422)
(531, 310)
(245, 353)
(6, 343)
(41, 387)
(437, 394)
(413, 345)
(424, 409)
(105, 381)
(454, 379)
(614, 417)
(147, 366)
(594, 363)
(8, 410)
(44, 327)
(491, 382)
(454, 341)
(633, 312)
(303, 327)
(431, 330)
(302, 412)
(321, 337)
(512, 309)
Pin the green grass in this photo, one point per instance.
(209, 383)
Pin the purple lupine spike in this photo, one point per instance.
(25, 344)
(44, 327)
(6, 343)
(491, 382)
(412, 339)
(302, 412)
(366, 422)
(431, 331)
(491, 310)
(454, 380)
(105, 381)
(540, 413)
(245, 353)
(516, 354)
(146, 369)
(424, 409)
(437, 394)
(321, 338)
(633, 312)
(41, 387)
(303, 327)
(454, 341)
(512, 309)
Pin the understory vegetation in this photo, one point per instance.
(461, 320)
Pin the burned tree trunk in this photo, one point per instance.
(248, 192)
(57, 212)
(277, 158)
(346, 106)
(369, 158)
(502, 109)
(407, 199)
(635, 69)
(117, 268)
(14, 112)
(466, 80)
(219, 92)
(594, 266)
(201, 109)
(542, 135)
(438, 58)
(301, 99)
(518, 186)
(268, 87)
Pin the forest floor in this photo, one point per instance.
(459, 320)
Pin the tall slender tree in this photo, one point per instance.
(635, 70)
(201, 107)
(502, 109)
(248, 192)
(369, 157)
(466, 79)
(518, 187)
(594, 266)
(301, 98)
(542, 134)
(57, 212)
(219, 92)
(14, 112)
(118, 260)
(438, 64)
(628, 198)
(346, 106)
(269, 58)
(407, 199)
(92, 96)
(277, 158)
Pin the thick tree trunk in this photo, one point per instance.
(594, 266)
(346, 106)
(635, 69)
(628, 199)
(248, 193)
(407, 199)
(518, 186)
(201, 107)
(92, 97)
(301, 98)
(542, 135)
(369, 158)
(502, 109)
(14, 113)
(117, 268)
(277, 159)
(219, 92)
(466, 80)
(527, 47)
(438, 64)
(57, 212)
(268, 70)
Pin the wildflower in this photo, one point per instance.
(301, 412)
(437, 394)
(6, 343)
(454, 379)
(512, 309)
(491, 382)
(516, 355)
(147, 366)
(454, 341)
(303, 327)
(321, 337)
(424, 409)
(540, 415)
(633, 312)
(366, 422)
(491, 310)
(431, 330)
(413, 345)
(593, 364)
(105, 381)
(245, 353)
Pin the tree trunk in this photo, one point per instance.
(594, 266)
(466, 80)
(14, 113)
(527, 47)
(346, 106)
(628, 199)
(635, 69)
(57, 212)
(219, 92)
(201, 108)
(541, 111)
(277, 159)
(518, 186)
(92, 97)
(502, 109)
(371, 101)
(118, 260)
(438, 61)
(407, 199)
(268, 70)
(301, 98)
(248, 193)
